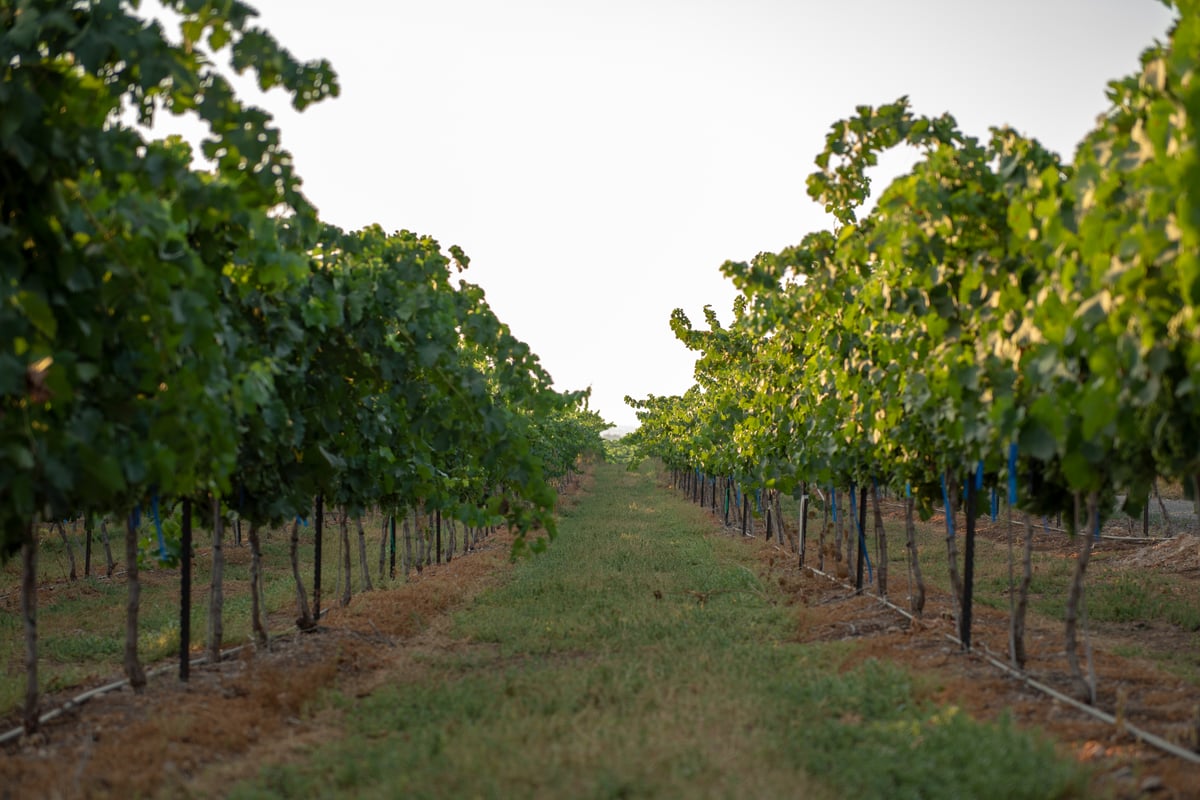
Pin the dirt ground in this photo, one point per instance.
(193, 740)
(1137, 690)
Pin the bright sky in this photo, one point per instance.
(598, 160)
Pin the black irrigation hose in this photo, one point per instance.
(1145, 736)
(79, 699)
(83, 697)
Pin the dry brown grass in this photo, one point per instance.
(1151, 697)
(178, 739)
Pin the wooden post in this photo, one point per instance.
(393, 565)
(964, 632)
(862, 537)
(803, 525)
(185, 592)
(29, 712)
(318, 524)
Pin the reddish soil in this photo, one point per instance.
(1151, 698)
(194, 739)
(185, 739)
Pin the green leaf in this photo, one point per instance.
(1038, 441)
(1079, 471)
(1097, 410)
(38, 312)
(335, 461)
(12, 375)
(20, 456)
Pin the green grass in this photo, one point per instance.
(642, 657)
(1117, 594)
(1114, 593)
(81, 623)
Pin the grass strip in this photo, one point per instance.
(641, 656)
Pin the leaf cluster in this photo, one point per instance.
(995, 296)
(173, 331)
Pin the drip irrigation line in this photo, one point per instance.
(78, 700)
(987, 655)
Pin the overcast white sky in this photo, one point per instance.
(598, 161)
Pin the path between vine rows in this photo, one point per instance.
(229, 721)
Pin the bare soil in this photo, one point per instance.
(195, 739)
(191, 739)
(1138, 690)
